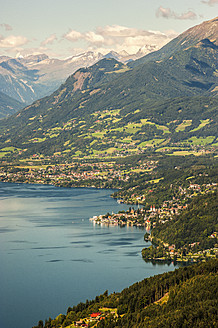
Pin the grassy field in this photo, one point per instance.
(203, 123)
(200, 141)
(2, 154)
(183, 125)
(159, 127)
(186, 153)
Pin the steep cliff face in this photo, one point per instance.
(80, 78)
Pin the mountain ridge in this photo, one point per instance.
(192, 36)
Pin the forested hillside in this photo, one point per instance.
(186, 297)
(190, 235)
(194, 225)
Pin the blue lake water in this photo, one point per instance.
(53, 257)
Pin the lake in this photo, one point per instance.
(53, 257)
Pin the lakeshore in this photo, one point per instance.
(159, 198)
(196, 248)
(37, 232)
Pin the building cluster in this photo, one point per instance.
(141, 216)
(78, 172)
(149, 218)
(93, 319)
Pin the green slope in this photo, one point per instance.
(155, 126)
(195, 224)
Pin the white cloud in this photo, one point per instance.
(118, 38)
(91, 37)
(7, 27)
(171, 34)
(94, 38)
(168, 13)
(116, 31)
(49, 40)
(12, 41)
(210, 2)
(73, 36)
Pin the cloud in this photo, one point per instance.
(49, 40)
(12, 41)
(117, 31)
(73, 36)
(103, 39)
(118, 38)
(91, 37)
(168, 13)
(7, 27)
(94, 38)
(210, 2)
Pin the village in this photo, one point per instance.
(142, 217)
(77, 174)
(167, 212)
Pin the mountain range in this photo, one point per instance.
(29, 78)
(116, 108)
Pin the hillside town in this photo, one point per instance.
(142, 217)
(166, 213)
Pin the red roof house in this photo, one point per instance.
(95, 315)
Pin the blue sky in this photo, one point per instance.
(61, 28)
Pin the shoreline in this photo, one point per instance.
(123, 218)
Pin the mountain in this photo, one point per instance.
(112, 108)
(35, 76)
(16, 80)
(205, 31)
(58, 70)
(124, 57)
(8, 105)
(32, 77)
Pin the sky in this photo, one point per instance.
(63, 28)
